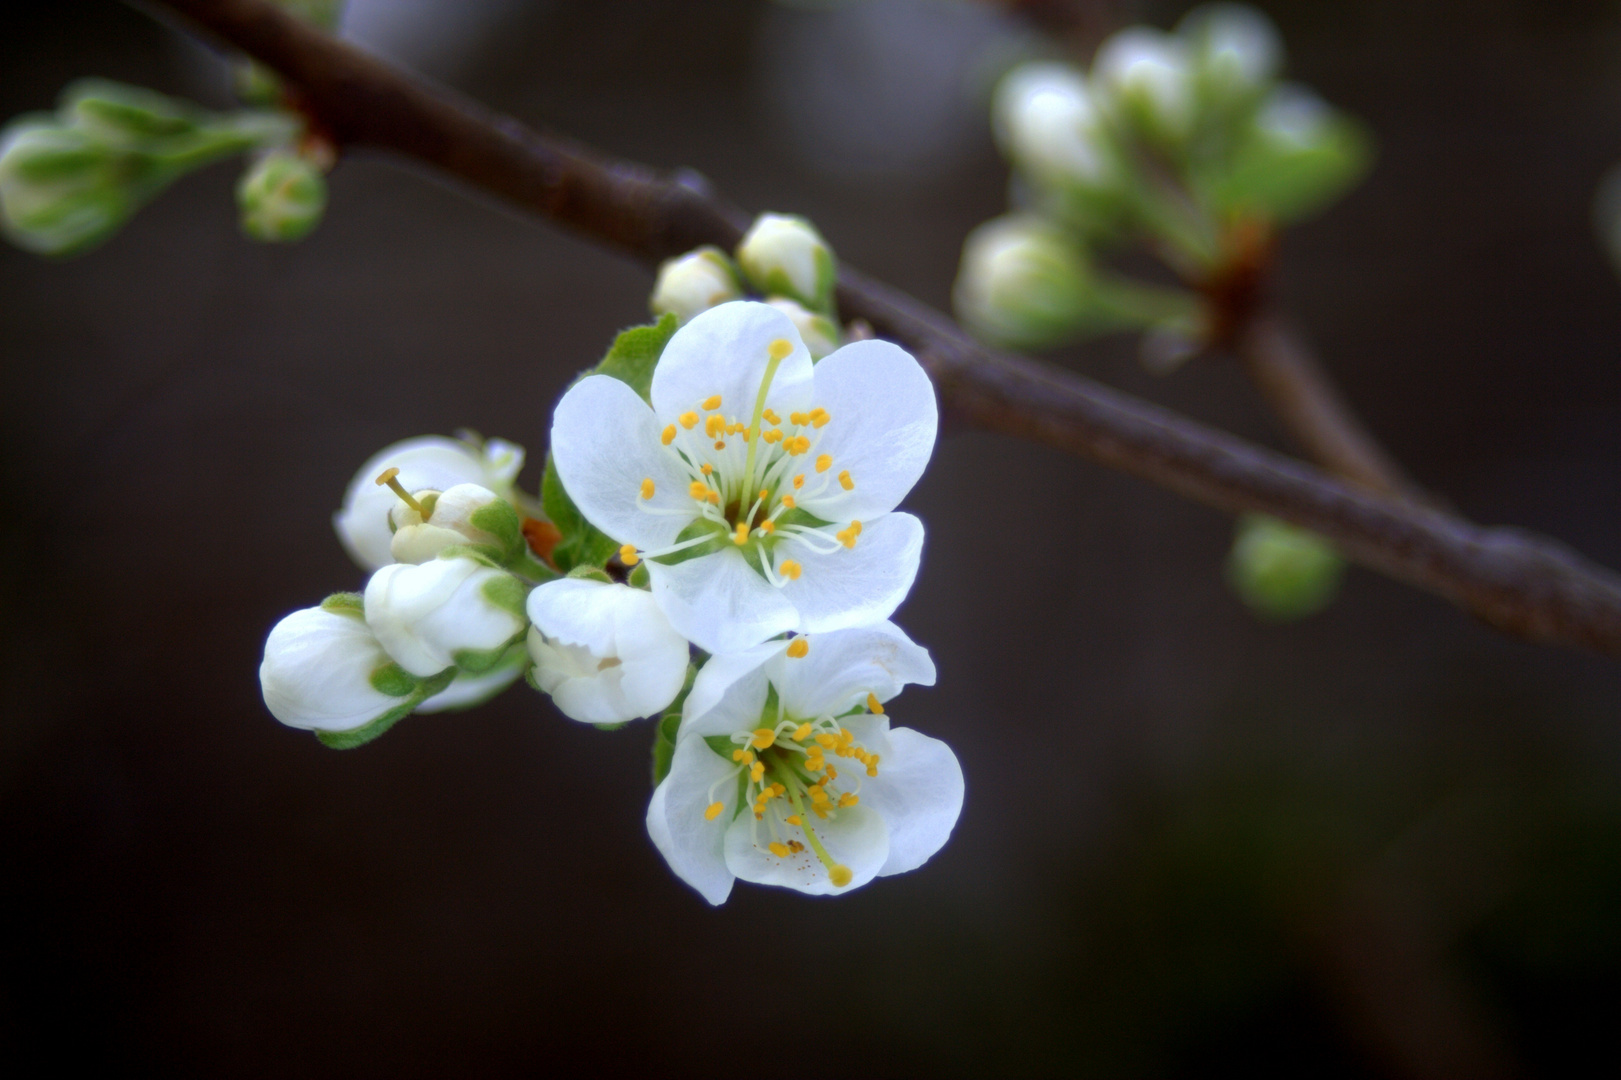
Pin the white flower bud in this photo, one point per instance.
(605, 653)
(281, 197)
(695, 282)
(1146, 78)
(1235, 46)
(318, 668)
(821, 333)
(784, 255)
(1021, 282)
(449, 523)
(453, 612)
(1047, 121)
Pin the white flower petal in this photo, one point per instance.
(429, 462)
(918, 791)
(691, 843)
(425, 615)
(317, 672)
(469, 690)
(605, 442)
(859, 585)
(858, 838)
(633, 662)
(720, 603)
(729, 692)
(844, 666)
(882, 429)
(725, 351)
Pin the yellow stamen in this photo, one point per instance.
(742, 535)
(756, 771)
(823, 461)
(628, 556)
(874, 706)
(792, 819)
(818, 417)
(787, 502)
(799, 481)
(715, 425)
(720, 444)
(713, 812)
(772, 418)
(706, 468)
(779, 349)
(714, 498)
(839, 875)
(765, 496)
(647, 487)
(688, 420)
(768, 527)
(712, 403)
(744, 756)
(826, 740)
(698, 489)
(795, 846)
(845, 482)
(797, 419)
(779, 849)
(790, 570)
(798, 647)
(849, 798)
(390, 477)
(772, 436)
(669, 435)
(763, 738)
(802, 732)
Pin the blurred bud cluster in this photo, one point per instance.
(1185, 144)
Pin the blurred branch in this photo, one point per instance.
(1522, 583)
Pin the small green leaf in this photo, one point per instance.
(395, 681)
(635, 352)
(721, 744)
(639, 577)
(500, 520)
(591, 573)
(345, 603)
(348, 740)
(479, 661)
(507, 593)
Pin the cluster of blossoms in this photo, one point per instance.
(1188, 146)
(716, 545)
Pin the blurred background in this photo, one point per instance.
(1383, 841)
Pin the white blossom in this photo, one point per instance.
(453, 612)
(318, 668)
(430, 462)
(604, 652)
(759, 489)
(695, 282)
(775, 781)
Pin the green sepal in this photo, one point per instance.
(484, 554)
(800, 516)
(768, 711)
(507, 593)
(583, 544)
(591, 573)
(664, 732)
(1290, 182)
(393, 680)
(425, 689)
(698, 527)
(500, 520)
(722, 745)
(639, 577)
(635, 353)
(482, 661)
(352, 604)
(610, 727)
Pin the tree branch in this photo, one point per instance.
(1519, 582)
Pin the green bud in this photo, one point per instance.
(1144, 79)
(784, 255)
(1236, 53)
(695, 282)
(281, 197)
(1299, 155)
(1022, 283)
(127, 116)
(60, 188)
(1281, 572)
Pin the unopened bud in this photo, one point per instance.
(452, 612)
(450, 522)
(605, 652)
(1022, 282)
(820, 333)
(319, 667)
(281, 197)
(1145, 78)
(1282, 572)
(694, 283)
(1300, 155)
(59, 191)
(784, 255)
(1236, 49)
(1047, 122)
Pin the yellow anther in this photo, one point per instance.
(390, 476)
(763, 738)
(714, 811)
(789, 569)
(736, 429)
(846, 537)
(823, 461)
(647, 487)
(772, 436)
(802, 732)
(779, 790)
(855, 527)
(744, 756)
(741, 536)
(715, 425)
(848, 799)
(768, 527)
(788, 502)
(706, 468)
(779, 349)
(712, 403)
(845, 482)
(795, 846)
(839, 875)
(827, 741)
(714, 498)
(798, 647)
(628, 556)
(832, 773)
(799, 481)
(874, 705)
(771, 418)
(688, 420)
(797, 419)
(794, 819)
(779, 849)
(765, 496)
(386, 475)
(669, 435)
(720, 444)
(698, 489)
(845, 738)
(818, 417)
(756, 771)
(814, 790)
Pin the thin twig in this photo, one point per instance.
(1524, 584)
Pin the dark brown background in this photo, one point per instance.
(1382, 841)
